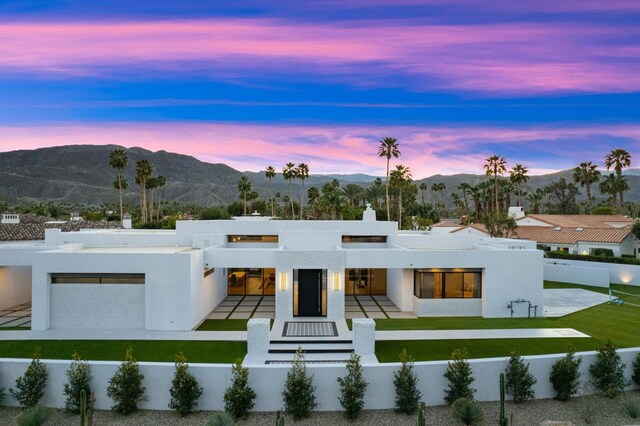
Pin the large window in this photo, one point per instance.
(252, 238)
(73, 278)
(365, 281)
(251, 281)
(465, 284)
(364, 238)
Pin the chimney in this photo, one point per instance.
(10, 218)
(369, 214)
(126, 221)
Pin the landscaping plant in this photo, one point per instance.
(86, 409)
(185, 390)
(565, 376)
(405, 381)
(125, 387)
(636, 370)
(632, 408)
(607, 371)
(503, 418)
(30, 386)
(422, 415)
(352, 388)
(298, 394)
(467, 411)
(221, 418)
(33, 416)
(519, 381)
(460, 377)
(238, 398)
(78, 380)
(279, 419)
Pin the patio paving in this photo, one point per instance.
(16, 316)
(244, 307)
(563, 301)
(376, 307)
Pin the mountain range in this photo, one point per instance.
(81, 174)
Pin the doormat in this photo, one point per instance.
(310, 329)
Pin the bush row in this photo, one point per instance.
(591, 258)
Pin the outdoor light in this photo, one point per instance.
(336, 281)
(283, 281)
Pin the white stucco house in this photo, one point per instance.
(171, 280)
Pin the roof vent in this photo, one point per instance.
(557, 228)
(579, 229)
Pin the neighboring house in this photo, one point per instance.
(29, 227)
(576, 220)
(172, 279)
(445, 227)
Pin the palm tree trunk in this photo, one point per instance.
(120, 195)
(400, 209)
(386, 190)
(293, 212)
(151, 206)
(589, 200)
(244, 201)
(302, 200)
(271, 196)
(159, 205)
(495, 190)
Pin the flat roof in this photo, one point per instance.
(134, 250)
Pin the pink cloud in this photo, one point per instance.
(345, 149)
(499, 58)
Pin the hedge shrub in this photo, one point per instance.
(590, 258)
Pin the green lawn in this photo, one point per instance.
(602, 322)
(223, 325)
(143, 350)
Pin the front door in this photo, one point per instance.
(309, 292)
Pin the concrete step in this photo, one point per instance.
(315, 349)
(310, 358)
(333, 341)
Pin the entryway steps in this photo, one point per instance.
(343, 348)
(310, 358)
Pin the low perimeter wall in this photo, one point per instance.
(268, 381)
(577, 271)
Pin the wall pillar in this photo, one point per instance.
(364, 337)
(257, 340)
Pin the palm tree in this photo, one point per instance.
(618, 159)
(302, 174)
(353, 192)
(118, 159)
(535, 199)
(313, 194)
(289, 172)
(161, 181)
(388, 148)
(518, 177)
(144, 171)
(585, 175)
(400, 178)
(438, 188)
(270, 173)
(495, 166)
(423, 187)
(466, 190)
(609, 185)
(152, 184)
(244, 189)
(375, 192)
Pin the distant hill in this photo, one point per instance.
(81, 174)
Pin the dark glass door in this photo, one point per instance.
(309, 292)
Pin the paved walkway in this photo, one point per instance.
(245, 307)
(559, 302)
(510, 333)
(376, 307)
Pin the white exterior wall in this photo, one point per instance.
(529, 221)
(585, 247)
(618, 273)
(447, 307)
(15, 285)
(267, 381)
(560, 271)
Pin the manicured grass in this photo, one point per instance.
(14, 329)
(223, 325)
(143, 350)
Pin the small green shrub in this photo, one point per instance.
(405, 381)
(519, 381)
(30, 386)
(607, 371)
(78, 379)
(460, 377)
(599, 251)
(298, 394)
(125, 387)
(238, 398)
(33, 416)
(565, 376)
(352, 388)
(467, 411)
(185, 390)
(279, 419)
(422, 414)
(636, 370)
(632, 408)
(590, 258)
(221, 418)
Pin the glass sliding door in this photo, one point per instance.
(251, 281)
(361, 281)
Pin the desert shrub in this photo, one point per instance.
(607, 371)
(519, 381)
(298, 394)
(636, 370)
(405, 381)
(467, 411)
(238, 398)
(30, 386)
(34, 416)
(352, 388)
(221, 418)
(565, 376)
(460, 377)
(185, 390)
(125, 387)
(78, 379)
(632, 408)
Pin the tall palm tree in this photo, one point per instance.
(161, 181)
(313, 194)
(518, 177)
(535, 199)
(353, 192)
(388, 148)
(144, 171)
(119, 159)
(302, 174)
(270, 173)
(152, 184)
(495, 166)
(400, 177)
(438, 188)
(585, 175)
(618, 159)
(375, 192)
(423, 187)
(466, 190)
(289, 173)
(609, 185)
(244, 189)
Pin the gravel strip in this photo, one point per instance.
(589, 410)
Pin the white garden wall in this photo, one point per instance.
(618, 273)
(268, 381)
(561, 271)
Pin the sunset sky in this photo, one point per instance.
(254, 83)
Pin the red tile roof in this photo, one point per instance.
(582, 220)
(571, 235)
